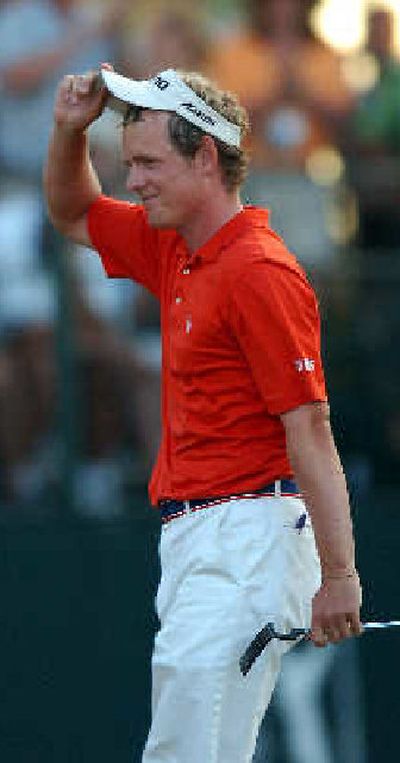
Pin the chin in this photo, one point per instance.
(161, 220)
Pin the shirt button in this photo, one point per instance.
(186, 271)
(178, 300)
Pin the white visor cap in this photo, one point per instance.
(167, 92)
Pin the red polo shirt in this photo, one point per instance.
(240, 342)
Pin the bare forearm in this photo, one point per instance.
(70, 182)
(318, 470)
(315, 461)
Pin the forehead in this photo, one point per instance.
(149, 135)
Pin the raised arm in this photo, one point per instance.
(318, 470)
(70, 181)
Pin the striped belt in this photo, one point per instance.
(171, 509)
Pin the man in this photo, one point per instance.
(244, 404)
(374, 136)
(39, 40)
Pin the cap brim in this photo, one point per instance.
(168, 92)
(135, 92)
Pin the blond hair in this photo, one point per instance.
(186, 137)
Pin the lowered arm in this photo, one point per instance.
(316, 464)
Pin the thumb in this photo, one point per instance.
(108, 67)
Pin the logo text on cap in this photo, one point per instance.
(198, 113)
(161, 83)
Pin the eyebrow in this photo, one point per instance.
(140, 158)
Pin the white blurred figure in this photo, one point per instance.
(308, 733)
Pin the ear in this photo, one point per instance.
(207, 156)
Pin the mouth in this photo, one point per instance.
(149, 199)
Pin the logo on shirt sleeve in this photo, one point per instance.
(304, 365)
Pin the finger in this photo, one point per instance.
(69, 88)
(341, 627)
(318, 636)
(355, 625)
(84, 84)
(337, 634)
(81, 84)
(347, 624)
(67, 84)
(97, 83)
(107, 66)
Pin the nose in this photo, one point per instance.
(135, 180)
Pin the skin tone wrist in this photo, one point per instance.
(65, 128)
(340, 574)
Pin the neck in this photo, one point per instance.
(209, 219)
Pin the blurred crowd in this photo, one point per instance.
(80, 355)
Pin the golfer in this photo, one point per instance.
(256, 523)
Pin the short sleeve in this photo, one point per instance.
(275, 318)
(127, 245)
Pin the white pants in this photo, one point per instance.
(227, 570)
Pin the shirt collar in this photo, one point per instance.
(247, 219)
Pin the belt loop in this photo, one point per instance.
(278, 490)
(187, 506)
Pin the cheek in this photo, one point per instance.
(186, 191)
(179, 186)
